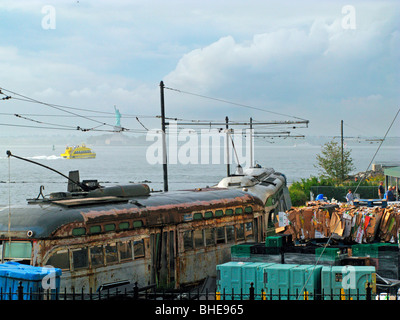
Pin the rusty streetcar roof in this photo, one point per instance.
(44, 219)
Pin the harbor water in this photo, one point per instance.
(128, 164)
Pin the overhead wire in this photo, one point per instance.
(60, 108)
(339, 220)
(70, 113)
(377, 150)
(233, 103)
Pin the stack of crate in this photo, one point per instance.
(241, 251)
(273, 244)
(384, 256)
(327, 255)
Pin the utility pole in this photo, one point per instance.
(228, 173)
(164, 141)
(251, 143)
(342, 163)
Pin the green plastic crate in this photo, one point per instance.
(241, 250)
(329, 254)
(273, 242)
(347, 282)
(365, 250)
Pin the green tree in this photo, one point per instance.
(334, 162)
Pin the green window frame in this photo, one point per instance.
(248, 209)
(208, 215)
(123, 225)
(78, 232)
(95, 229)
(138, 224)
(238, 210)
(197, 216)
(229, 212)
(219, 213)
(109, 227)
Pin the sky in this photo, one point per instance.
(321, 61)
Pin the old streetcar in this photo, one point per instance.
(107, 235)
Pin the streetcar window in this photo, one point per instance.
(59, 259)
(240, 232)
(97, 256)
(249, 230)
(125, 250)
(95, 229)
(210, 236)
(248, 209)
(198, 238)
(229, 212)
(111, 253)
(219, 213)
(197, 216)
(80, 258)
(230, 233)
(238, 210)
(109, 227)
(78, 232)
(17, 250)
(188, 240)
(138, 224)
(208, 215)
(123, 225)
(138, 247)
(221, 235)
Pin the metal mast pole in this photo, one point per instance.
(342, 164)
(251, 143)
(164, 141)
(228, 170)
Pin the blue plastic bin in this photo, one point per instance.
(33, 280)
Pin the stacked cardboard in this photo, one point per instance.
(344, 222)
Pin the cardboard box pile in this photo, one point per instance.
(344, 222)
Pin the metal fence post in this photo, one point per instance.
(368, 292)
(251, 296)
(20, 291)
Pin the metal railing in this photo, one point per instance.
(133, 292)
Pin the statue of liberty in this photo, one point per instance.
(117, 118)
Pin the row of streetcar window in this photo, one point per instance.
(125, 225)
(220, 213)
(200, 238)
(97, 256)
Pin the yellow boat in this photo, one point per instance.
(78, 152)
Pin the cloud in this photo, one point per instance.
(303, 67)
(294, 59)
